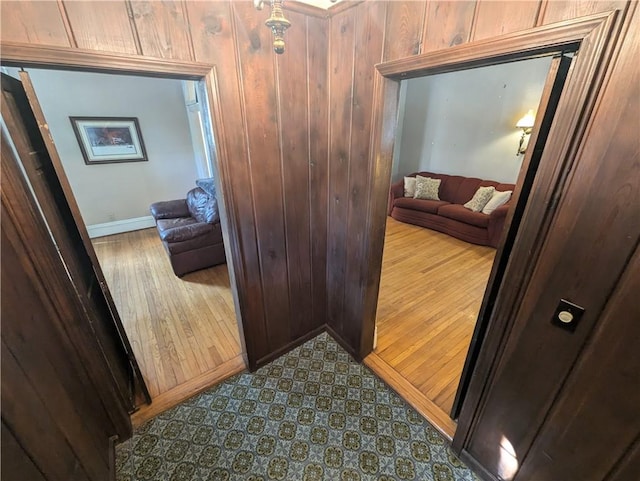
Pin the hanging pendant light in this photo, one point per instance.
(276, 22)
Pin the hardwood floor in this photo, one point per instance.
(430, 294)
(182, 331)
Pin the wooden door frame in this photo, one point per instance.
(64, 58)
(593, 36)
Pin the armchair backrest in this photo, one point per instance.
(202, 206)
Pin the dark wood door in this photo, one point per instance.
(41, 164)
(556, 78)
(593, 429)
(61, 407)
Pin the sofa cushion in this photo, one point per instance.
(480, 198)
(214, 236)
(422, 205)
(169, 209)
(186, 232)
(409, 186)
(498, 199)
(166, 224)
(427, 188)
(202, 206)
(460, 213)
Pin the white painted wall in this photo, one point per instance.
(463, 123)
(123, 191)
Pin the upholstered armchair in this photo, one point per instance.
(190, 230)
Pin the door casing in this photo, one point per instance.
(25, 56)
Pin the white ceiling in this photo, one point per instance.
(319, 3)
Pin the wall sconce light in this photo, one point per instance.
(276, 22)
(526, 124)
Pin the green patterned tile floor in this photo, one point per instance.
(312, 414)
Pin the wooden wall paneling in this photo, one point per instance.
(383, 125)
(293, 97)
(163, 29)
(558, 10)
(212, 30)
(447, 24)
(629, 465)
(43, 440)
(33, 22)
(404, 27)
(369, 43)
(595, 419)
(261, 111)
(587, 247)
(341, 64)
(318, 132)
(48, 363)
(497, 18)
(15, 459)
(102, 26)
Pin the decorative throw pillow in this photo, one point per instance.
(480, 198)
(498, 199)
(409, 186)
(427, 188)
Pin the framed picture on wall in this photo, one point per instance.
(106, 140)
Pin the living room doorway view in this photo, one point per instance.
(460, 145)
(140, 166)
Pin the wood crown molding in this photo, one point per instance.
(42, 56)
(536, 41)
(342, 6)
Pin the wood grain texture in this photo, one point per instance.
(15, 459)
(163, 29)
(38, 22)
(404, 26)
(596, 397)
(213, 33)
(559, 10)
(104, 350)
(431, 288)
(341, 64)
(52, 357)
(294, 130)
(261, 126)
(318, 132)
(497, 18)
(421, 403)
(447, 24)
(179, 328)
(585, 250)
(101, 25)
(369, 35)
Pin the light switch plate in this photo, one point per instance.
(567, 315)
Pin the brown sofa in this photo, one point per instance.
(448, 214)
(190, 231)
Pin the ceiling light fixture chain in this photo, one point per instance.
(276, 22)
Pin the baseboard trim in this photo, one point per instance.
(427, 408)
(343, 344)
(120, 226)
(175, 396)
(287, 347)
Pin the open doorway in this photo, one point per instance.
(183, 331)
(460, 142)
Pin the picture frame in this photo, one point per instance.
(108, 140)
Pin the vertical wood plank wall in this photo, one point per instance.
(276, 125)
(298, 134)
